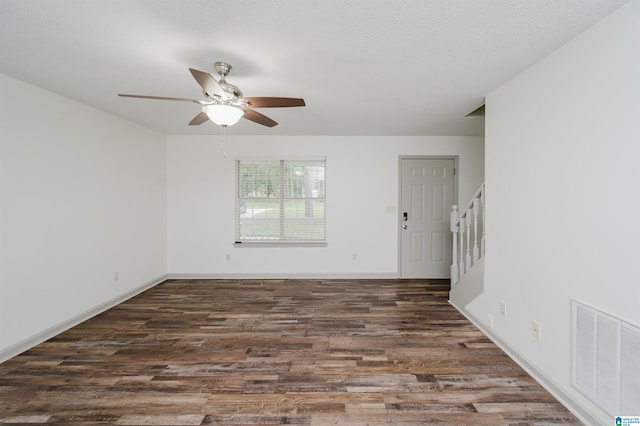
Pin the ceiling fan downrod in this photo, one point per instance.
(223, 69)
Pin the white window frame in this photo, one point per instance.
(315, 236)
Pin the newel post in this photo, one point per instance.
(476, 211)
(461, 236)
(455, 273)
(467, 262)
(483, 221)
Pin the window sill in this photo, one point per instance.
(264, 244)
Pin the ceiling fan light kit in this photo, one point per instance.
(223, 115)
(225, 104)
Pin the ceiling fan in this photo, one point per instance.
(225, 103)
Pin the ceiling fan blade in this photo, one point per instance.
(162, 98)
(208, 83)
(256, 117)
(199, 119)
(268, 102)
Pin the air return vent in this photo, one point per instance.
(606, 360)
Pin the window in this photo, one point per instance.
(280, 201)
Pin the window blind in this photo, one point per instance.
(280, 201)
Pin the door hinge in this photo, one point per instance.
(454, 171)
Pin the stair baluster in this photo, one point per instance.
(464, 257)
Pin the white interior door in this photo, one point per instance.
(426, 199)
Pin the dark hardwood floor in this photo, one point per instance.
(319, 352)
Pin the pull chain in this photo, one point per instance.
(224, 153)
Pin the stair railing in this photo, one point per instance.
(466, 252)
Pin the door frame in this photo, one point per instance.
(455, 159)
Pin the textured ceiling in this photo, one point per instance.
(364, 67)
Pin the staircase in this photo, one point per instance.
(467, 269)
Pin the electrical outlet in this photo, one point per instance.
(228, 257)
(490, 320)
(116, 276)
(354, 257)
(536, 330)
(503, 309)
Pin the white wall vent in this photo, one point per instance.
(606, 360)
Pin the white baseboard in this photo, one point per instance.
(582, 413)
(50, 332)
(252, 276)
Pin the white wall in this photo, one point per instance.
(562, 150)
(82, 195)
(362, 202)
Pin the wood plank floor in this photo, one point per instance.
(310, 352)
